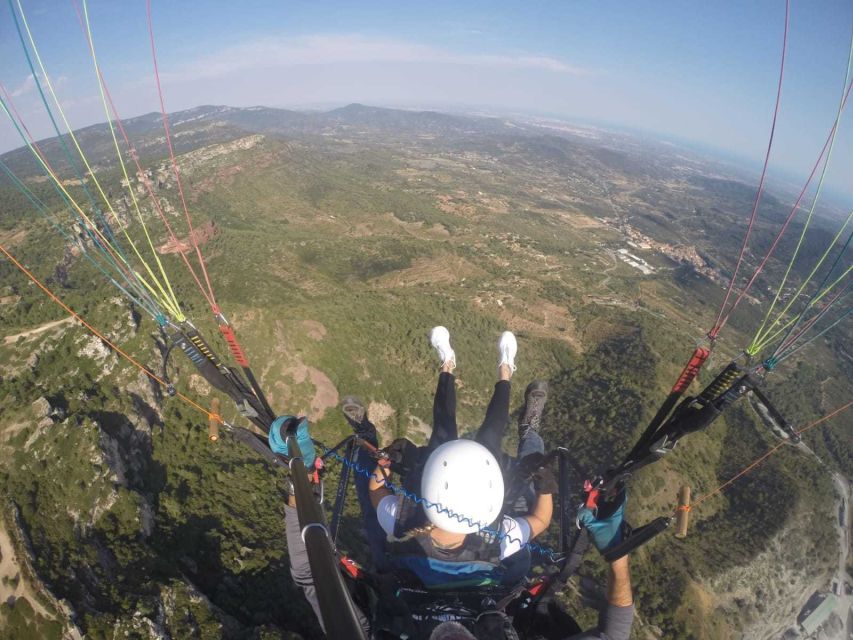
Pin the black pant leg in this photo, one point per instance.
(491, 433)
(444, 429)
(444, 412)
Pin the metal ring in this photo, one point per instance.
(315, 524)
(290, 462)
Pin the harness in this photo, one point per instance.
(476, 563)
(402, 608)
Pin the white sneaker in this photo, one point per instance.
(439, 338)
(507, 348)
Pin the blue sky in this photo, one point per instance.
(701, 71)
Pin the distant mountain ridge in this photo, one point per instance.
(210, 124)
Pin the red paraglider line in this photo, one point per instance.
(717, 324)
(134, 155)
(175, 170)
(791, 215)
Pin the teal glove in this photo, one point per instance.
(606, 532)
(278, 439)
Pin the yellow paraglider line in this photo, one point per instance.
(164, 295)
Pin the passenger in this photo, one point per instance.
(616, 612)
(464, 481)
(461, 483)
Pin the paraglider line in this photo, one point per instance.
(784, 228)
(769, 453)
(174, 162)
(107, 341)
(761, 333)
(717, 323)
(83, 17)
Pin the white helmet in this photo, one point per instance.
(464, 479)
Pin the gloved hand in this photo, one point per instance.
(403, 455)
(605, 526)
(544, 482)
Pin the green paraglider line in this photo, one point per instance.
(758, 345)
(168, 297)
(787, 222)
(83, 17)
(811, 301)
(68, 155)
(42, 209)
(39, 156)
(721, 321)
(761, 334)
(818, 297)
(788, 354)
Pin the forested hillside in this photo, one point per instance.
(335, 242)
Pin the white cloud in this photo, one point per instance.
(355, 48)
(24, 88)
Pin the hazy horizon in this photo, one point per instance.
(700, 73)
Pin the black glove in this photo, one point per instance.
(528, 465)
(403, 455)
(544, 482)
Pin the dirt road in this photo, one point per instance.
(37, 330)
(845, 602)
(10, 568)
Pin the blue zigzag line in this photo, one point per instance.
(498, 535)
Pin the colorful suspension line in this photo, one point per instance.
(165, 288)
(174, 162)
(819, 289)
(49, 171)
(703, 351)
(718, 323)
(63, 144)
(812, 303)
(107, 341)
(755, 463)
(42, 209)
(790, 347)
(103, 244)
(107, 98)
(224, 326)
(787, 354)
(787, 222)
(761, 340)
(109, 244)
(789, 340)
(760, 334)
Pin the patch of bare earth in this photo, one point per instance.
(325, 394)
(37, 330)
(199, 385)
(315, 330)
(381, 414)
(13, 582)
(13, 238)
(580, 221)
(441, 269)
(11, 430)
(201, 235)
(416, 229)
(456, 205)
(537, 318)
(296, 373)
